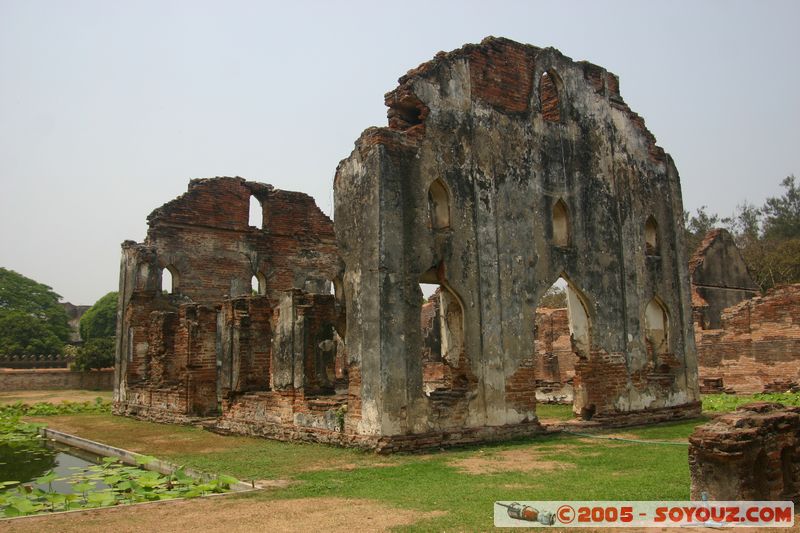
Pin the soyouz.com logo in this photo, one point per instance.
(643, 514)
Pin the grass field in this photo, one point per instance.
(450, 490)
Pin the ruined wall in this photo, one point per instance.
(746, 343)
(756, 348)
(719, 278)
(554, 356)
(74, 314)
(186, 352)
(750, 454)
(462, 189)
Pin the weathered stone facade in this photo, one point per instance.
(750, 454)
(503, 168)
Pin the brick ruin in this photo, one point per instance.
(249, 317)
(719, 279)
(750, 454)
(746, 343)
(503, 168)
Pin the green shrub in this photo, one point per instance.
(95, 354)
(100, 320)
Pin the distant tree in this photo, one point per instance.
(782, 213)
(555, 298)
(767, 236)
(31, 319)
(100, 320)
(23, 334)
(98, 330)
(95, 354)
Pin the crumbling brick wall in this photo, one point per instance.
(462, 189)
(207, 343)
(554, 356)
(757, 346)
(750, 454)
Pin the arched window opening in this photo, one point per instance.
(651, 236)
(258, 284)
(656, 325)
(170, 280)
(442, 327)
(560, 224)
(562, 339)
(439, 205)
(548, 97)
(256, 217)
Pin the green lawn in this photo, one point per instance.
(461, 482)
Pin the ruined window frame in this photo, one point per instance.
(560, 221)
(174, 276)
(665, 346)
(439, 205)
(550, 106)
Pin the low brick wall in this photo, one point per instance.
(757, 349)
(56, 379)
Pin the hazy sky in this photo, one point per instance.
(108, 108)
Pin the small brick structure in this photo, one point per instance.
(752, 453)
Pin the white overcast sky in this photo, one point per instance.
(108, 108)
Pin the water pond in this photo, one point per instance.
(38, 475)
(25, 463)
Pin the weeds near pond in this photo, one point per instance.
(47, 409)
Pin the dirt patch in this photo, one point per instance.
(231, 515)
(518, 460)
(52, 396)
(513, 486)
(341, 466)
(621, 439)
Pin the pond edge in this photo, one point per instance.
(129, 457)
